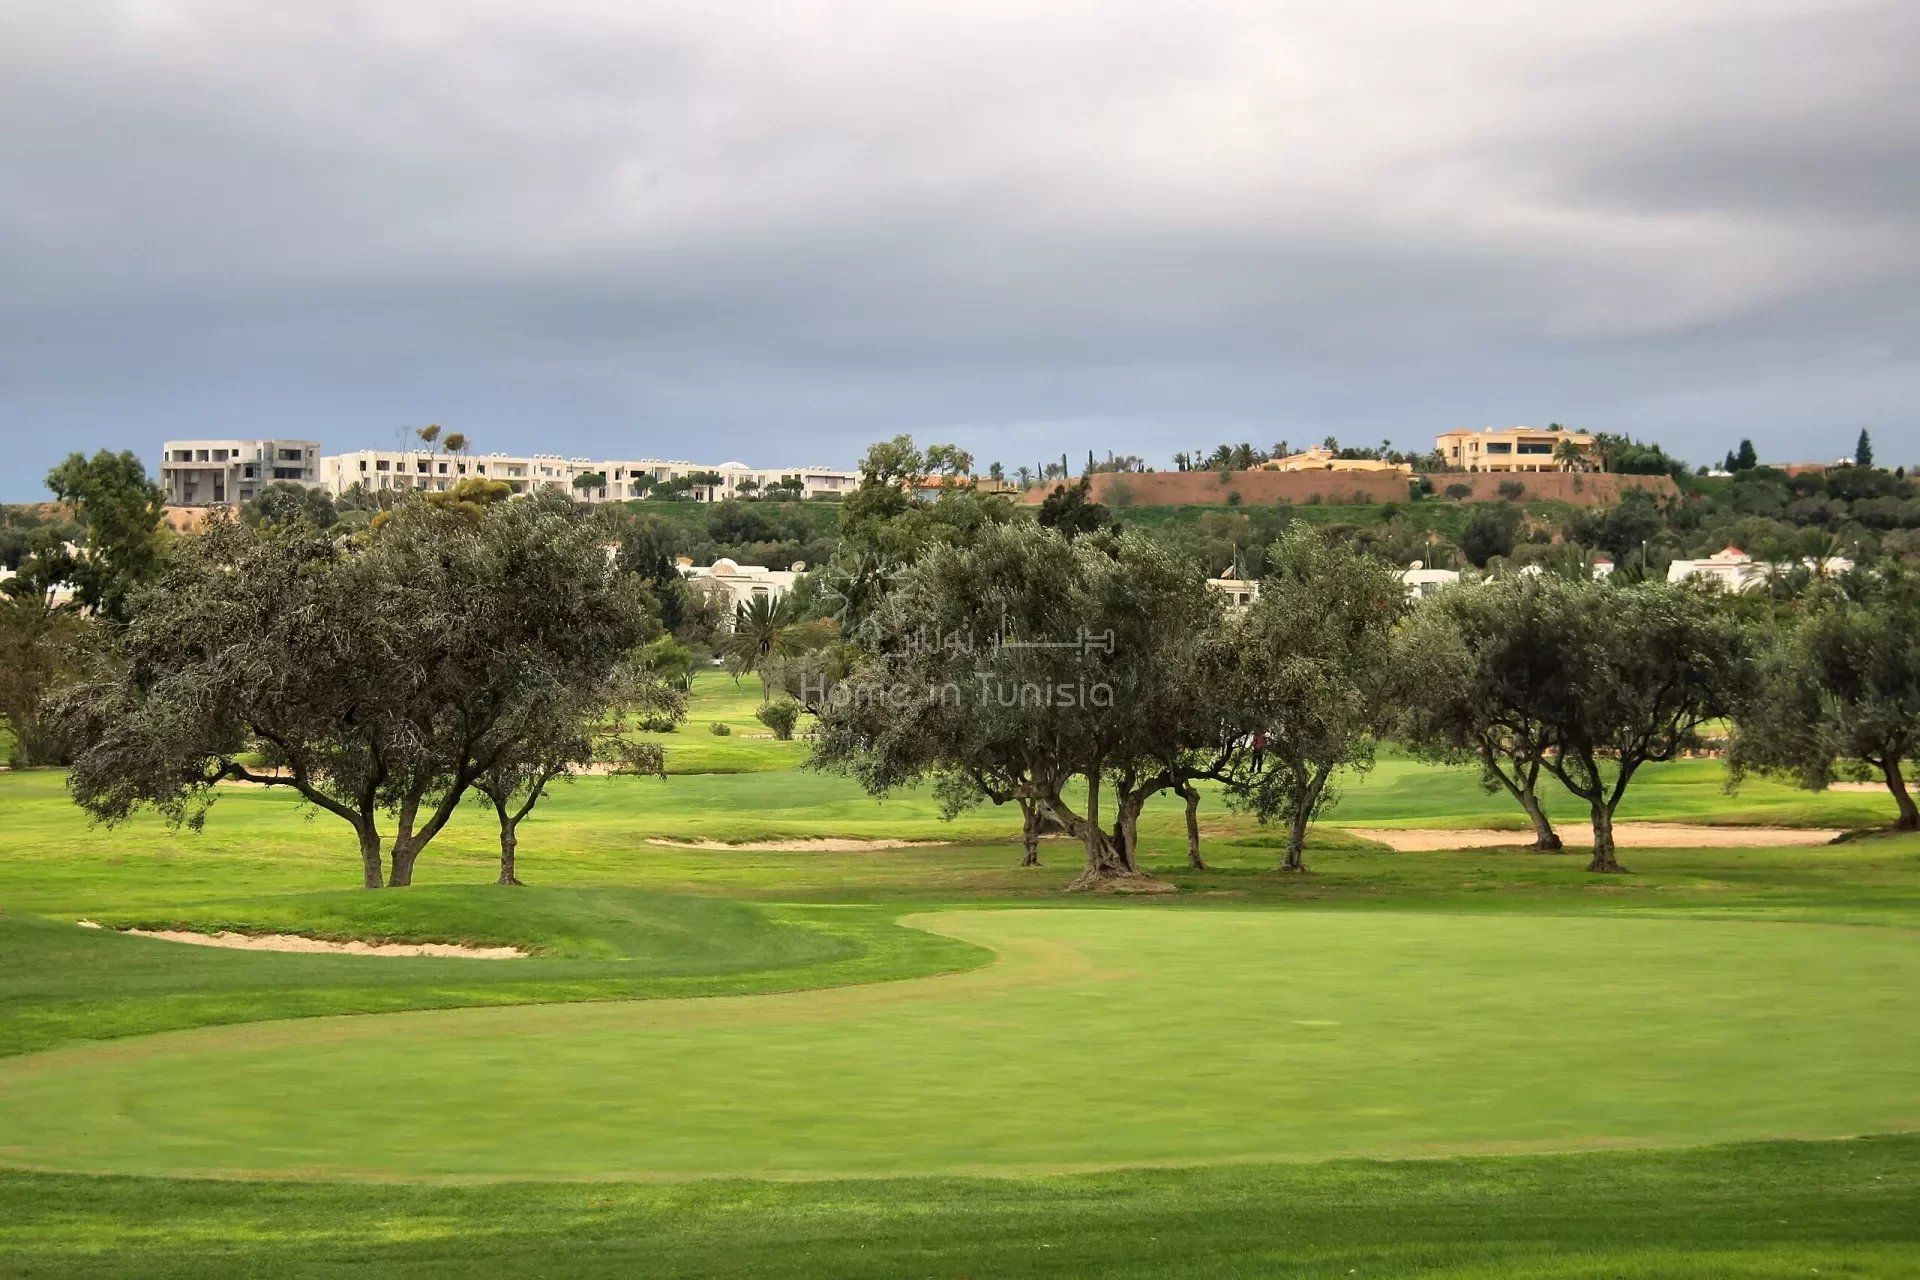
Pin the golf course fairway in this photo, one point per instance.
(1099, 1037)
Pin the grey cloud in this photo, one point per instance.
(778, 231)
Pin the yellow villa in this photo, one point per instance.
(1323, 459)
(1514, 449)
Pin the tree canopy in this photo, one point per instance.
(1841, 685)
(378, 677)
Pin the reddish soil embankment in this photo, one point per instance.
(1571, 487)
(1256, 488)
(1267, 488)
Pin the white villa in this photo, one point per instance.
(1419, 581)
(1735, 570)
(1422, 582)
(743, 582)
(1240, 592)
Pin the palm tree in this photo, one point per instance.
(766, 628)
(1025, 475)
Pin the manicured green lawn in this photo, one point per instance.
(750, 747)
(1302, 1035)
(912, 1014)
(1755, 1212)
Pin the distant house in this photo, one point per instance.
(1735, 570)
(1240, 592)
(1513, 449)
(743, 582)
(928, 488)
(1319, 458)
(1422, 582)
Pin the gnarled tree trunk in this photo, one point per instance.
(370, 858)
(1030, 832)
(1909, 819)
(1521, 787)
(1191, 794)
(1603, 860)
(509, 842)
(1545, 838)
(1305, 804)
(1106, 865)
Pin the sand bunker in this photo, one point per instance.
(295, 942)
(822, 844)
(1627, 835)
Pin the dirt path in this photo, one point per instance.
(1628, 835)
(300, 943)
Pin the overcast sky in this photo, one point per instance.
(772, 232)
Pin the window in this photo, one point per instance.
(1502, 447)
(380, 465)
(443, 468)
(251, 471)
(363, 466)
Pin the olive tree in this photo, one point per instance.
(378, 678)
(938, 692)
(1464, 688)
(1620, 677)
(1310, 679)
(562, 729)
(1842, 685)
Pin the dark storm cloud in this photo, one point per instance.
(774, 231)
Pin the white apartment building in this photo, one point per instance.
(206, 473)
(613, 480)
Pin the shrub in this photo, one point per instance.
(1233, 499)
(658, 724)
(1459, 491)
(1512, 490)
(779, 716)
(718, 730)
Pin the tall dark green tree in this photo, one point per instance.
(1070, 508)
(123, 513)
(1863, 450)
(1843, 685)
